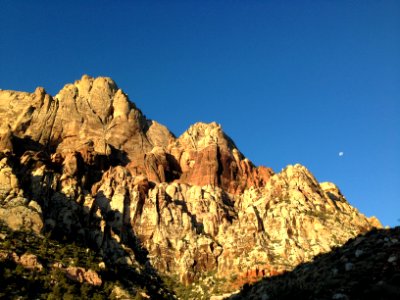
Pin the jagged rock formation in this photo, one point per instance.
(366, 267)
(87, 165)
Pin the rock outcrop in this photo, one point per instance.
(16, 211)
(86, 165)
(28, 261)
(81, 275)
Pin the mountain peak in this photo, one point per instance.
(201, 135)
(88, 87)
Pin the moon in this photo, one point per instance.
(341, 153)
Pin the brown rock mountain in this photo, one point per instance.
(87, 165)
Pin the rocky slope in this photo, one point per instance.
(86, 165)
(366, 267)
(36, 267)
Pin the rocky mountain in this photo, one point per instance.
(87, 166)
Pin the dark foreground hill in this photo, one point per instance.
(366, 267)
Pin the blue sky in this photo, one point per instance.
(290, 81)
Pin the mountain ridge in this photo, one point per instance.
(87, 164)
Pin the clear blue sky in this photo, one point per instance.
(290, 81)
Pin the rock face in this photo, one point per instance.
(207, 156)
(16, 211)
(87, 165)
(90, 109)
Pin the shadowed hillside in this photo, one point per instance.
(37, 267)
(366, 267)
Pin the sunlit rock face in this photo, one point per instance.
(207, 156)
(87, 165)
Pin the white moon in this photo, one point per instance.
(341, 153)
